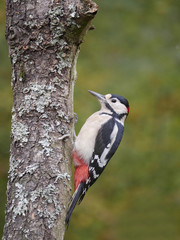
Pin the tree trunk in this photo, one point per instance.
(44, 38)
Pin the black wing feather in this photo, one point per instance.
(102, 141)
(103, 137)
(117, 141)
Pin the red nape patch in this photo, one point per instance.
(81, 174)
(128, 109)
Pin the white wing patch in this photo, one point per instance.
(94, 172)
(102, 161)
(96, 157)
(121, 121)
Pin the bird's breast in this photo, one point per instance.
(85, 141)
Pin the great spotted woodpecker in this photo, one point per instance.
(96, 143)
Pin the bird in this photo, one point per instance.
(96, 143)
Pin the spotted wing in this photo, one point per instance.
(107, 142)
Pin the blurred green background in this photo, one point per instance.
(134, 52)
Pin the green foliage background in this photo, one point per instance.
(134, 52)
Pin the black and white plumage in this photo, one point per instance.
(96, 143)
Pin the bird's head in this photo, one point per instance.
(113, 103)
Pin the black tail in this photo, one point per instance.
(77, 194)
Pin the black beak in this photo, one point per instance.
(99, 96)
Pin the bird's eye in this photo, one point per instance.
(113, 100)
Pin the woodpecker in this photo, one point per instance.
(96, 143)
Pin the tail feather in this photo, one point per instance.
(77, 194)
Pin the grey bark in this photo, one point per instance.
(44, 38)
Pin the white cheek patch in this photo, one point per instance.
(118, 107)
(122, 108)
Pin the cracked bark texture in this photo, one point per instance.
(44, 38)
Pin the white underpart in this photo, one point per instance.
(85, 141)
(102, 161)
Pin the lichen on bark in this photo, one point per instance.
(44, 38)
